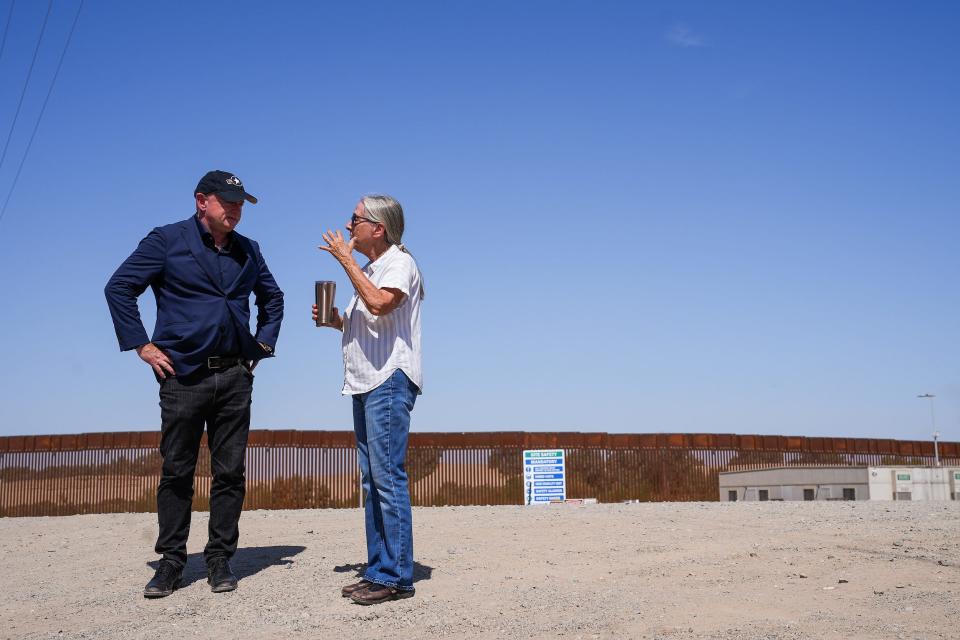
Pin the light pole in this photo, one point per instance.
(936, 434)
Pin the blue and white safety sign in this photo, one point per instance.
(544, 476)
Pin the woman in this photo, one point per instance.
(381, 356)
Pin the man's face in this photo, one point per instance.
(219, 215)
(362, 229)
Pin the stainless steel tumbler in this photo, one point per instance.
(325, 291)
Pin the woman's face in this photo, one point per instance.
(363, 229)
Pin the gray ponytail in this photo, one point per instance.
(388, 212)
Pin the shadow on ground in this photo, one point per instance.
(246, 562)
(420, 571)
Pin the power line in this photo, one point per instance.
(25, 83)
(23, 160)
(6, 29)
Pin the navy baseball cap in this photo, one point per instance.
(225, 185)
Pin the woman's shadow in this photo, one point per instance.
(420, 571)
(245, 563)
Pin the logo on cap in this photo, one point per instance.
(234, 180)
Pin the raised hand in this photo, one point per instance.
(338, 247)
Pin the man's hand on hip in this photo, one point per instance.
(153, 356)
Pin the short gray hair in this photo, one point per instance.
(388, 212)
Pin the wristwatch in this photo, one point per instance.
(266, 347)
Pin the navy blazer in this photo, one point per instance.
(192, 306)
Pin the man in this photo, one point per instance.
(202, 273)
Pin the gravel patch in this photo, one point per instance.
(773, 570)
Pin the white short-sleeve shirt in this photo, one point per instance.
(376, 346)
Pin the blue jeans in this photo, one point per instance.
(381, 421)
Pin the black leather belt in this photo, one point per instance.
(223, 362)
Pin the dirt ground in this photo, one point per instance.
(776, 570)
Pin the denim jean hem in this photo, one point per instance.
(393, 585)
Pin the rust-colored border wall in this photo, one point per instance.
(117, 472)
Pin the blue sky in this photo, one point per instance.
(631, 217)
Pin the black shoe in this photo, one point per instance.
(219, 576)
(165, 580)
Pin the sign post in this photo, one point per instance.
(544, 476)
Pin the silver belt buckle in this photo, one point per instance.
(210, 364)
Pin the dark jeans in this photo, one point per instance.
(221, 401)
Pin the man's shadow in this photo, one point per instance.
(246, 562)
(420, 571)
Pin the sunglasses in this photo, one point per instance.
(355, 220)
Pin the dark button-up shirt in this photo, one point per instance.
(230, 260)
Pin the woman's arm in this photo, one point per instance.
(378, 301)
